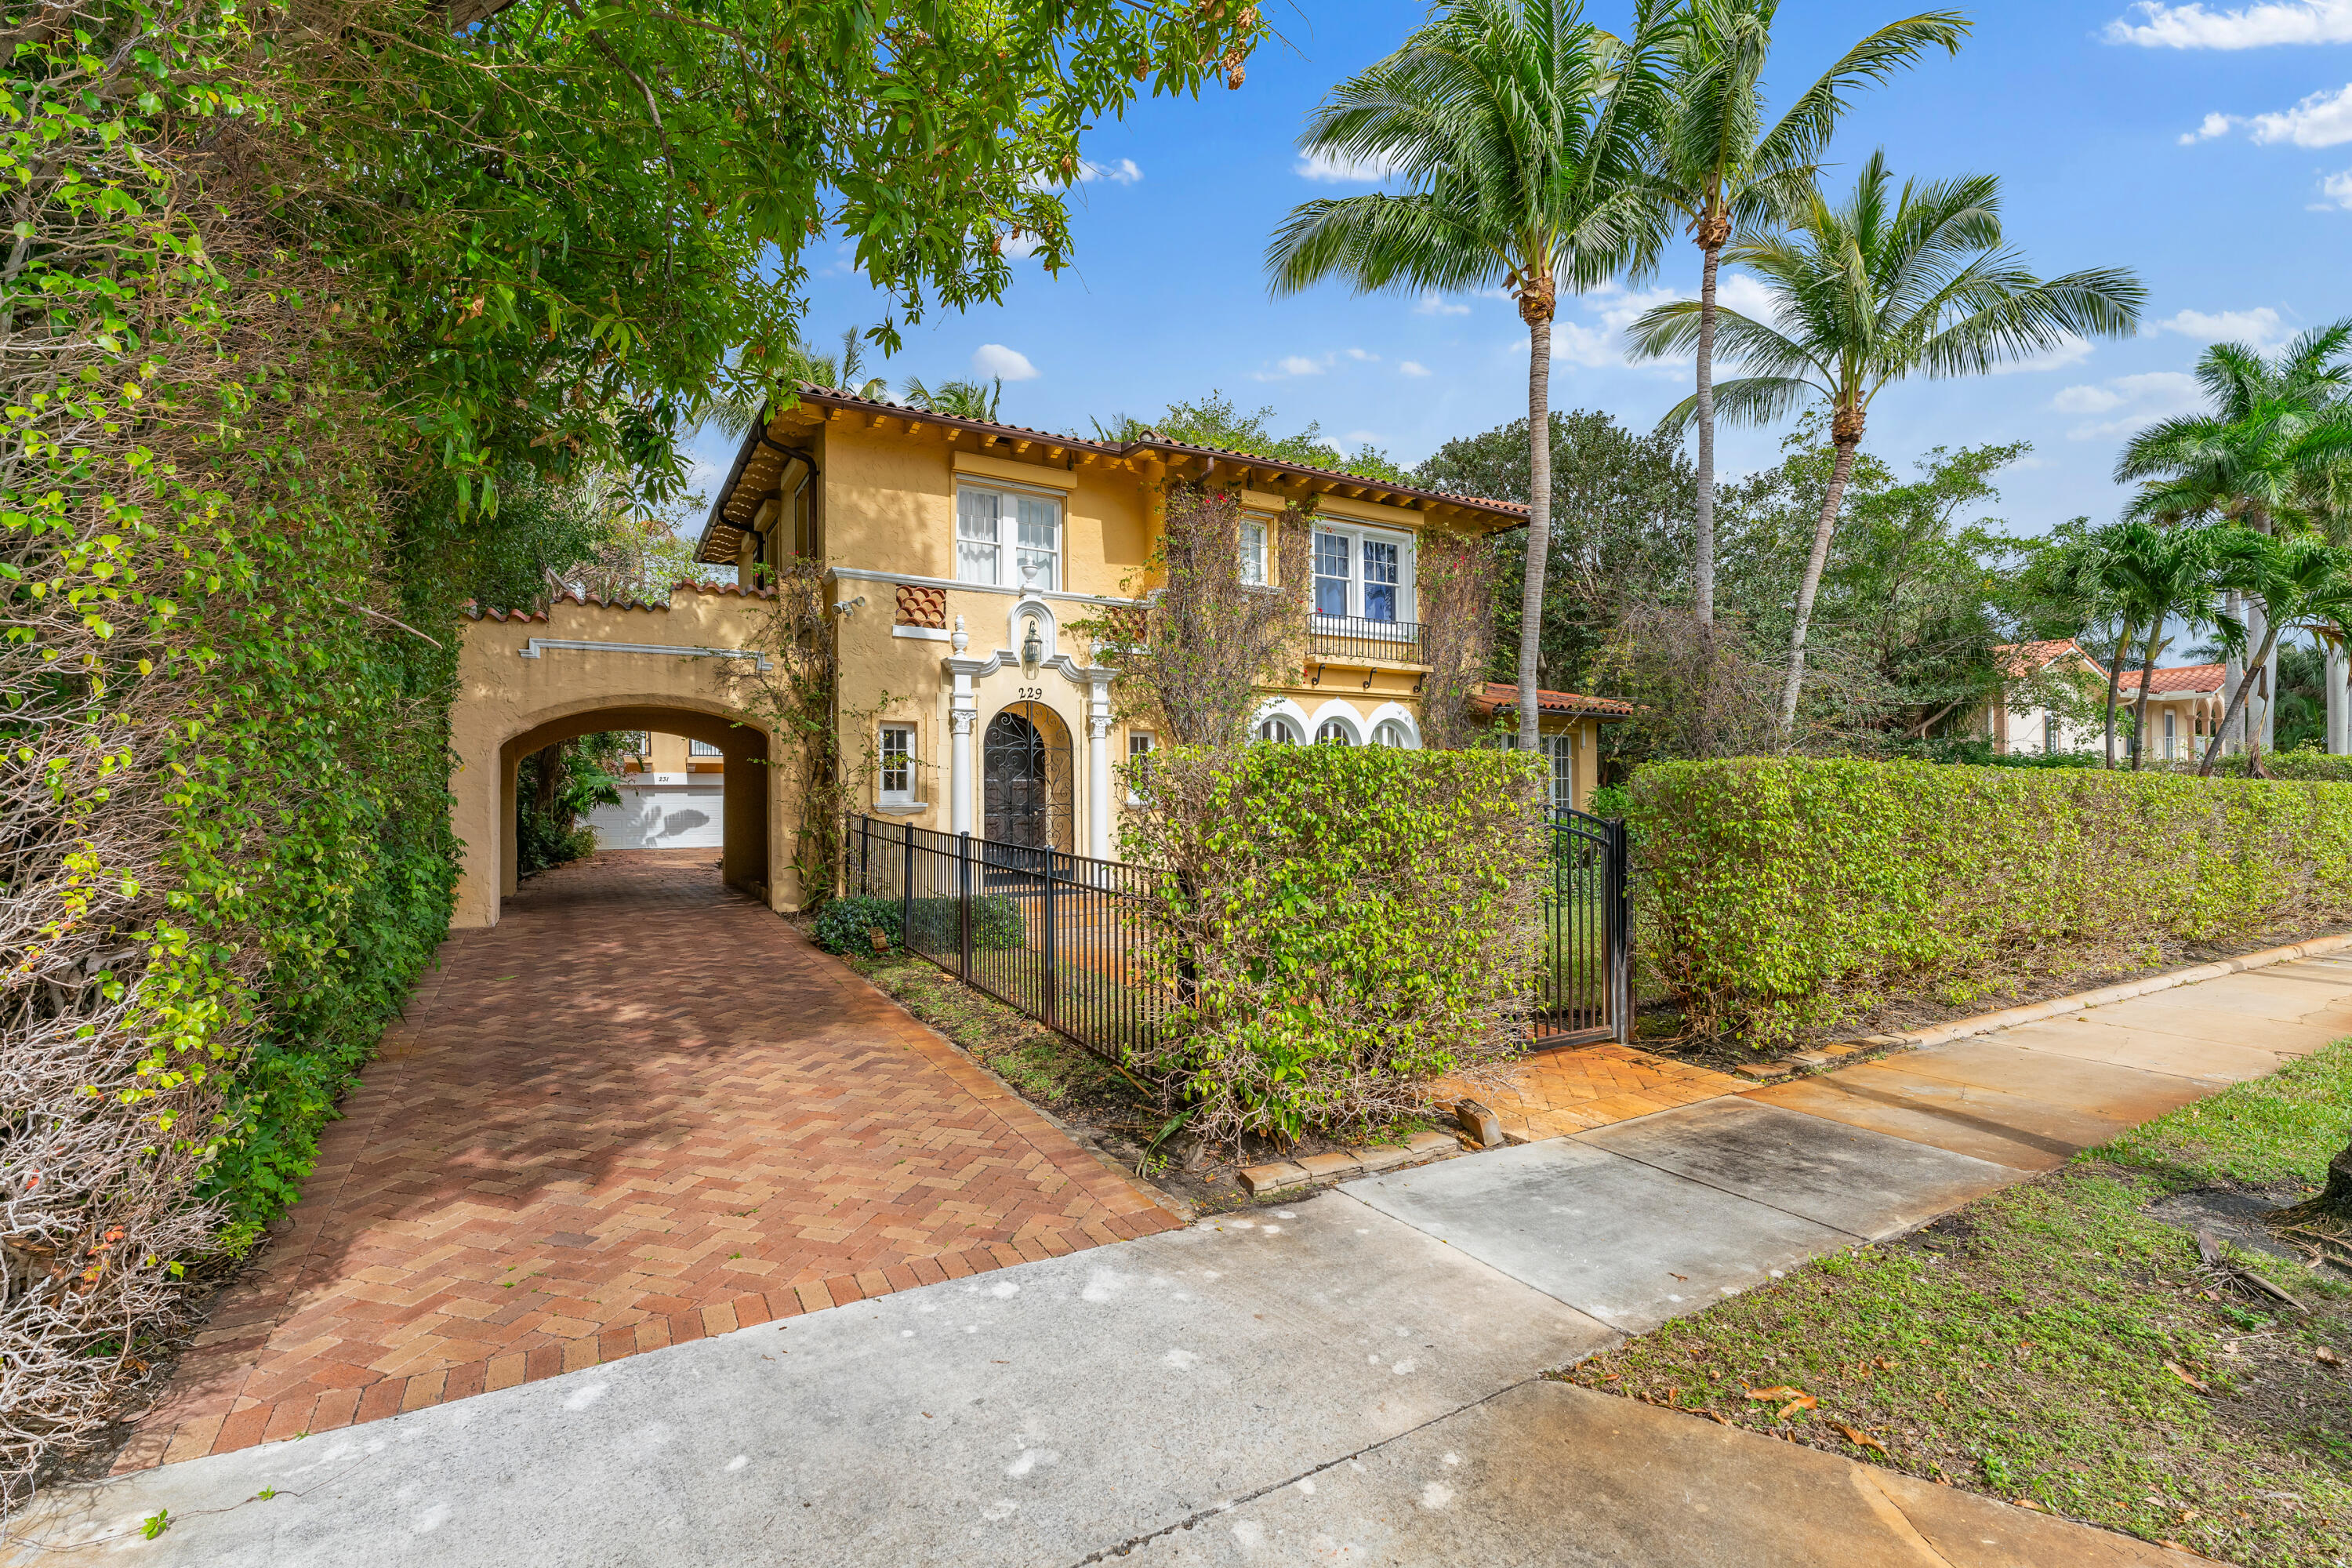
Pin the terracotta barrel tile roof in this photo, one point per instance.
(2206, 678)
(575, 596)
(1499, 697)
(921, 606)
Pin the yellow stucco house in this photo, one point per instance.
(964, 554)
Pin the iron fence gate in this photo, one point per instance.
(1066, 939)
(1584, 981)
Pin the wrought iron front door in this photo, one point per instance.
(1014, 779)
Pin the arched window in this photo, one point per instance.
(1392, 732)
(1278, 730)
(1332, 733)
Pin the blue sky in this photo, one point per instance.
(2208, 148)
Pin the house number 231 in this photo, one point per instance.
(1031, 693)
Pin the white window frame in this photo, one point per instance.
(1139, 762)
(1287, 728)
(906, 760)
(1254, 532)
(1334, 733)
(704, 748)
(2172, 734)
(984, 560)
(1356, 535)
(2051, 733)
(1393, 732)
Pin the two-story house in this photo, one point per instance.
(966, 554)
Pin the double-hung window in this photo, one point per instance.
(1253, 553)
(1363, 573)
(1008, 538)
(1138, 764)
(897, 765)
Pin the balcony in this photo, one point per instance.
(1353, 639)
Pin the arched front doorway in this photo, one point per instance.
(1024, 773)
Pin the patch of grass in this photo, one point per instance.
(1037, 1062)
(2048, 1344)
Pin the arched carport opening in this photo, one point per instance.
(747, 777)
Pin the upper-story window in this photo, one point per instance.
(1392, 732)
(1274, 727)
(1253, 551)
(702, 749)
(1008, 538)
(1365, 572)
(1139, 747)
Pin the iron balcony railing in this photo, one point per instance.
(1360, 638)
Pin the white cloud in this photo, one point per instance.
(1414, 367)
(1361, 438)
(1123, 173)
(1289, 365)
(2156, 26)
(1739, 291)
(1579, 344)
(2260, 326)
(2139, 399)
(1018, 247)
(1364, 355)
(997, 360)
(2213, 125)
(2072, 351)
(2337, 189)
(1433, 303)
(1332, 171)
(2322, 120)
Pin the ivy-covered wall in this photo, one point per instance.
(1787, 893)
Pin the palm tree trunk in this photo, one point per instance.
(2114, 683)
(2237, 703)
(2146, 674)
(1703, 515)
(1531, 596)
(1839, 471)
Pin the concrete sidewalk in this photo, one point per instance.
(1352, 1378)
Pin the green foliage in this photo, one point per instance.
(1791, 892)
(841, 926)
(1343, 924)
(554, 788)
(1216, 421)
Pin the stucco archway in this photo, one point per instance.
(529, 681)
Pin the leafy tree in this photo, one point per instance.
(963, 399)
(1520, 130)
(2155, 576)
(2304, 584)
(1216, 421)
(1869, 293)
(1621, 505)
(1719, 164)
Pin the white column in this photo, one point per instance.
(2234, 669)
(2339, 669)
(962, 711)
(1098, 771)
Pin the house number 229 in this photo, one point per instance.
(1031, 693)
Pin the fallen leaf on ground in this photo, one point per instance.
(1797, 1397)
(1718, 1417)
(2028, 1502)
(2196, 1383)
(2329, 1356)
(1858, 1438)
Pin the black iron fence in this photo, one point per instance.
(1584, 981)
(1358, 637)
(1073, 941)
(1066, 939)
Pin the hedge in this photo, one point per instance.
(1787, 894)
(996, 922)
(1343, 924)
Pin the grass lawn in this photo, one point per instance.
(2054, 1345)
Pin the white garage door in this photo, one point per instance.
(663, 817)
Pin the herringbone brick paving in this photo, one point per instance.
(639, 1111)
(1551, 1094)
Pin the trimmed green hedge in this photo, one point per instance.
(1340, 924)
(1789, 893)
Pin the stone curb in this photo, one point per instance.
(2058, 1006)
(1282, 1175)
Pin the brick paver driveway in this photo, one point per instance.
(639, 1111)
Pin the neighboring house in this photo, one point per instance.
(963, 552)
(673, 796)
(2184, 703)
(2033, 713)
(2184, 709)
(1571, 725)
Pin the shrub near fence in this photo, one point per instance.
(1341, 925)
(1789, 893)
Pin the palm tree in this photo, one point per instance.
(1519, 131)
(1868, 293)
(961, 399)
(1718, 165)
(2304, 584)
(2274, 448)
(2155, 574)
